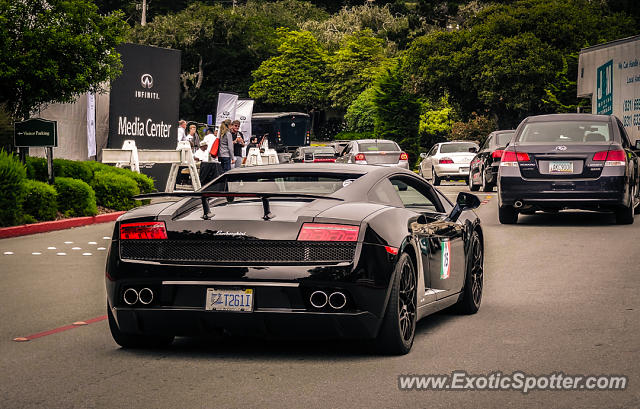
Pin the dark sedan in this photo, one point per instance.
(323, 250)
(569, 161)
(483, 169)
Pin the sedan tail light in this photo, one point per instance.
(143, 231)
(511, 158)
(611, 158)
(444, 161)
(328, 232)
(359, 157)
(497, 154)
(404, 156)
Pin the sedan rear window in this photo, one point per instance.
(457, 147)
(309, 183)
(378, 146)
(565, 132)
(502, 139)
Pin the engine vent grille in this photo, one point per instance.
(234, 252)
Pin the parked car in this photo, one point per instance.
(483, 170)
(374, 152)
(321, 250)
(569, 161)
(310, 154)
(447, 160)
(339, 145)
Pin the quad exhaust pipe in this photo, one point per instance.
(518, 204)
(336, 300)
(131, 296)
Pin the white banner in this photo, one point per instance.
(244, 110)
(91, 124)
(226, 107)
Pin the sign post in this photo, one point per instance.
(37, 132)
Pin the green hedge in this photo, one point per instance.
(115, 190)
(37, 169)
(75, 197)
(144, 182)
(72, 169)
(40, 200)
(12, 174)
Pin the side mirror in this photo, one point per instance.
(423, 155)
(473, 150)
(465, 201)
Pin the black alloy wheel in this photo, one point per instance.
(474, 280)
(472, 186)
(399, 323)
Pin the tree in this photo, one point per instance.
(476, 129)
(53, 50)
(296, 76)
(435, 123)
(360, 116)
(354, 67)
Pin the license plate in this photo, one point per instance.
(560, 167)
(464, 170)
(225, 299)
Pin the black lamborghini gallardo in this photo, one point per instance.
(320, 250)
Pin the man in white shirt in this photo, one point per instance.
(202, 154)
(182, 125)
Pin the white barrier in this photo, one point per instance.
(130, 156)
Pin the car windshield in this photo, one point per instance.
(309, 183)
(457, 147)
(382, 146)
(502, 139)
(565, 132)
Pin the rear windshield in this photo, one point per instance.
(457, 147)
(317, 184)
(565, 132)
(320, 149)
(378, 146)
(502, 139)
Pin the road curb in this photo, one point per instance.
(25, 229)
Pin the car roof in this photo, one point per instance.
(568, 117)
(374, 140)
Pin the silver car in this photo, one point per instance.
(374, 152)
(447, 160)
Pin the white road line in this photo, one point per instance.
(8, 253)
(76, 248)
(101, 248)
(107, 238)
(92, 242)
(68, 242)
(51, 248)
(87, 254)
(61, 254)
(36, 253)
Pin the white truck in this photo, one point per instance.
(609, 74)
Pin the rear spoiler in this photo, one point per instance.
(204, 196)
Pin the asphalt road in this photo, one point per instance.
(561, 295)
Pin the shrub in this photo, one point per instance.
(12, 173)
(72, 169)
(75, 197)
(40, 200)
(144, 182)
(115, 190)
(354, 135)
(37, 169)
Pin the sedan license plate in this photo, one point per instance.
(226, 299)
(560, 167)
(464, 170)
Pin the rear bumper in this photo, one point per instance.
(607, 192)
(275, 323)
(460, 170)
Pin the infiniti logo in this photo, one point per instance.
(146, 80)
(561, 148)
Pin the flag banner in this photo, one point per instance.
(91, 124)
(226, 107)
(244, 110)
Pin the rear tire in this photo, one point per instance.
(471, 296)
(507, 215)
(625, 215)
(472, 187)
(399, 322)
(135, 341)
(486, 187)
(436, 179)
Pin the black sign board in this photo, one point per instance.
(35, 132)
(144, 103)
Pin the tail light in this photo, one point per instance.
(444, 161)
(143, 231)
(611, 158)
(324, 160)
(511, 158)
(359, 157)
(404, 156)
(328, 232)
(497, 154)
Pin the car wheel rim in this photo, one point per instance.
(407, 302)
(477, 271)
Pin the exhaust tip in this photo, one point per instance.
(517, 204)
(318, 299)
(130, 296)
(337, 300)
(145, 296)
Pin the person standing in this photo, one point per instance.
(193, 137)
(225, 150)
(182, 125)
(238, 142)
